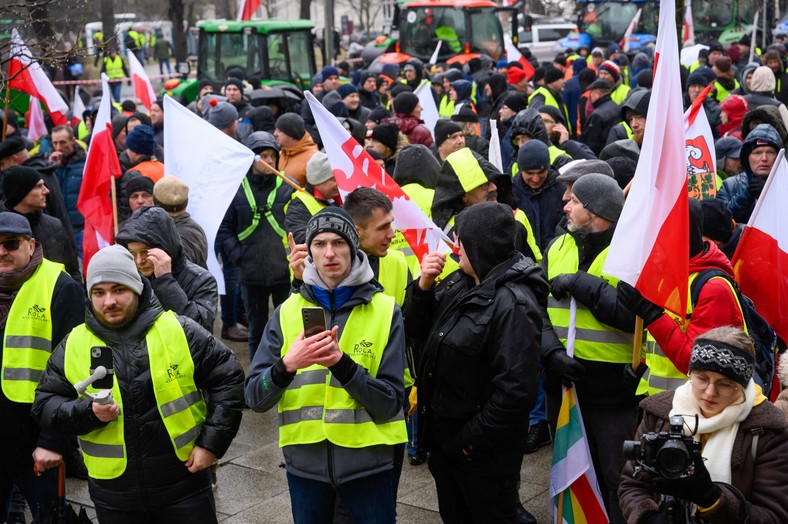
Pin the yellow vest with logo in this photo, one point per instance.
(594, 340)
(661, 374)
(27, 344)
(180, 402)
(315, 407)
(113, 67)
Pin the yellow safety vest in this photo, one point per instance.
(113, 67)
(393, 273)
(448, 34)
(269, 214)
(422, 196)
(594, 340)
(549, 100)
(312, 205)
(181, 405)
(521, 217)
(620, 93)
(27, 344)
(661, 374)
(315, 407)
(721, 93)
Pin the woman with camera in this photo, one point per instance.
(743, 469)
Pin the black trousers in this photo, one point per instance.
(194, 509)
(257, 310)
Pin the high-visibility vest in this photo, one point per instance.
(152, 169)
(315, 407)
(661, 374)
(27, 343)
(721, 93)
(269, 214)
(312, 205)
(393, 274)
(179, 401)
(446, 108)
(422, 196)
(448, 34)
(549, 100)
(620, 93)
(594, 340)
(113, 66)
(521, 217)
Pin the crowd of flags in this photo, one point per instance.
(650, 247)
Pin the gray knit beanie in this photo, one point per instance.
(600, 195)
(221, 115)
(577, 168)
(114, 264)
(318, 170)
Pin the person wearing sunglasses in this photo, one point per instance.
(742, 468)
(39, 305)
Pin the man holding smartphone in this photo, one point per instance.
(340, 392)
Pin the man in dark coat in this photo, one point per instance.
(172, 194)
(69, 157)
(478, 371)
(161, 363)
(605, 115)
(180, 285)
(251, 234)
(27, 449)
(26, 194)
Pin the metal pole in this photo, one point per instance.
(328, 33)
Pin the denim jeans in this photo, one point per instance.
(369, 500)
(40, 492)
(114, 87)
(539, 414)
(164, 62)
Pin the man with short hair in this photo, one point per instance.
(176, 404)
(234, 91)
(40, 305)
(172, 194)
(69, 157)
(340, 391)
(296, 146)
(181, 286)
(26, 194)
(449, 137)
(469, 121)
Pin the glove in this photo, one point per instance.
(562, 285)
(755, 186)
(565, 368)
(697, 488)
(632, 376)
(634, 301)
(655, 517)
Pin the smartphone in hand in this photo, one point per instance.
(102, 356)
(314, 320)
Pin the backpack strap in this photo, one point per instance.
(703, 277)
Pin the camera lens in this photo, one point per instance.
(631, 449)
(673, 459)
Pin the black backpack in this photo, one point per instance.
(763, 336)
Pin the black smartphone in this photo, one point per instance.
(314, 320)
(102, 356)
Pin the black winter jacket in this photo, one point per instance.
(479, 368)
(298, 215)
(188, 290)
(154, 475)
(544, 207)
(51, 234)
(606, 114)
(22, 434)
(261, 256)
(56, 207)
(193, 239)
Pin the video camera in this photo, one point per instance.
(669, 454)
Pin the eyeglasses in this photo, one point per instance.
(723, 388)
(10, 245)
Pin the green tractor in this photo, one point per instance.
(280, 52)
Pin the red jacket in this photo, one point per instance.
(717, 306)
(413, 128)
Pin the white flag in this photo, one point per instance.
(211, 163)
(495, 146)
(429, 111)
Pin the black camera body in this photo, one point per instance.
(669, 454)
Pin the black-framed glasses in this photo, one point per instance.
(11, 245)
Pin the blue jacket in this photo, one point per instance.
(70, 179)
(544, 207)
(735, 191)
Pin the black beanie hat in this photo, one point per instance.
(717, 220)
(292, 125)
(333, 220)
(696, 243)
(516, 102)
(137, 183)
(533, 155)
(552, 74)
(18, 181)
(378, 114)
(235, 82)
(405, 103)
(487, 233)
(386, 134)
(444, 129)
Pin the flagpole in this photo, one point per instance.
(114, 204)
(637, 342)
(280, 175)
(7, 99)
(560, 514)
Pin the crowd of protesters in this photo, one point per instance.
(455, 360)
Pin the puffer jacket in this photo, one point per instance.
(292, 161)
(413, 128)
(382, 396)
(261, 256)
(188, 290)
(529, 122)
(69, 178)
(154, 475)
(193, 239)
(761, 479)
(478, 372)
(68, 311)
(735, 191)
(544, 207)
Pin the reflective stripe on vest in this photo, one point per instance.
(113, 67)
(269, 215)
(549, 100)
(27, 344)
(179, 401)
(315, 407)
(521, 217)
(662, 374)
(619, 93)
(595, 341)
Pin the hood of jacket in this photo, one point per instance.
(529, 122)
(463, 171)
(153, 227)
(710, 258)
(40, 164)
(765, 114)
(762, 134)
(405, 122)
(749, 68)
(302, 145)
(417, 164)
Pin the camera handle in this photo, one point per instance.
(102, 397)
(675, 509)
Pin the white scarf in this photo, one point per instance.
(721, 428)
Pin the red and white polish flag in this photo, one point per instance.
(143, 89)
(100, 166)
(78, 110)
(701, 153)
(514, 55)
(760, 263)
(353, 167)
(28, 76)
(34, 120)
(248, 8)
(689, 27)
(650, 248)
(627, 39)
